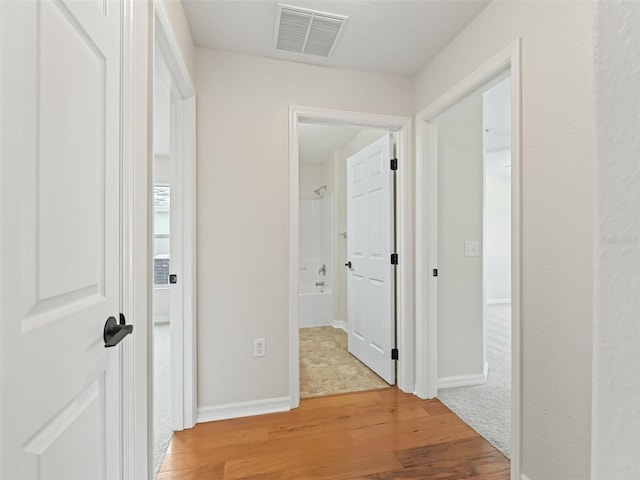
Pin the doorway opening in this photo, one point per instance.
(163, 178)
(326, 258)
(468, 242)
(331, 361)
(474, 261)
(172, 395)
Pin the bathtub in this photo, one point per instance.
(315, 306)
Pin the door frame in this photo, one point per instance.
(134, 261)
(509, 60)
(403, 127)
(183, 199)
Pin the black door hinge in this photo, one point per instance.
(394, 164)
(394, 259)
(394, 354)
(435, 272)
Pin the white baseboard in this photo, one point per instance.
(524, 477)
(465, 380)
(341, 324)
(243, 409)
(320, 323)
(496, 301)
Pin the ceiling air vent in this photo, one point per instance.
(306, 31)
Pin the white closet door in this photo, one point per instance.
(60, 250)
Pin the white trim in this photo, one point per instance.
(189, 262)
(243, 409)
(341, 324)
(426, 235)
(133, 279)
(136, 261)
(524, 477)
(497, 301)
(465, 380)
(404, 221)
(183, 334)
(171, 51)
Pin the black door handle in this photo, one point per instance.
(114, 332)
(348, 264)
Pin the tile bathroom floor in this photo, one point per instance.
(326, 367)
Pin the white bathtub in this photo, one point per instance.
(315, 306)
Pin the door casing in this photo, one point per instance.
(183, 216)
(403, 127)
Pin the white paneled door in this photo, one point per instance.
(60, 229)
(370, 240)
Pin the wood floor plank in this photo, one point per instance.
(459, 459)
(396, 412)
(242, 436)
(331, 470)
(201, 453)
(204, 472)
(375, 435)
(435, 407)
(441, 428)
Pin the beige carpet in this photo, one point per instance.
(487, 408)
(326, 367)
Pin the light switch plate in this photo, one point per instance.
(471, 248)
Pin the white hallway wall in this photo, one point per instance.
(557, 214)
(497, 248)
(460, 162)
(243, 208)
(616, 388)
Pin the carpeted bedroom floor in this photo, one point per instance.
(162, 394)
(487, 408)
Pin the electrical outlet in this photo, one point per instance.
(259, 347)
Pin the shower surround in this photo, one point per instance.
(315, 262)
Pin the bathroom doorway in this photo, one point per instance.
(324, 314)
(402, 257)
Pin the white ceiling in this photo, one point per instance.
(393, 36)
(317, 142)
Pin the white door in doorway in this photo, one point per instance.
(370, 240)
(60, 222)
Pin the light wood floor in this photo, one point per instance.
(375, 435)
